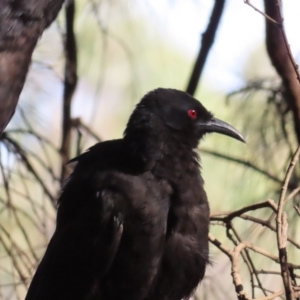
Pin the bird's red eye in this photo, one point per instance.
(192, 114)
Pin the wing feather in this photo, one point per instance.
(80, 252)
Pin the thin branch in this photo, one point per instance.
(228, 252)
(268, 225)
(207, 40)
(77, 123)
(292, 194)
(14, 261)
(228, 216)
(70, 84)
(261, 12)
(242, 162)
(279, 24)
(282, 226)
(272, 296)
(20, 152)
(250, 262)
(297, 209)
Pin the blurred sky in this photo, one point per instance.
(240, 32)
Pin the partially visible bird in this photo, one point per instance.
(133, 218)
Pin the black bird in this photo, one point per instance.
(133, 218)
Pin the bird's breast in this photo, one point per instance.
(186, 251)
(187, 241)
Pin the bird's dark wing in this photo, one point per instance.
(90, 255)
(83, 246)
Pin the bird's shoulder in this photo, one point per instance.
(81, 190)
(109, 172)
(105, 155)
(113, 164)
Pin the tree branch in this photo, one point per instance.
(207, 40)
(282, 59)
(18, 150)
(69, 87)
(21, 23)
(282, 227)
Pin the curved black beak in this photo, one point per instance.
(216, 125)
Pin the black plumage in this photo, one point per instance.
(133, 218)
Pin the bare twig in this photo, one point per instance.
(242, 162)
(297, 209)
(69, 87)
(228, 216)
(268, 225)
(272, 296)
(18, 150)
(279, 24)
(245, 255)
(282, 226)
(207, 40)
(292, 194)
(261, 12)
(228, 252)
(241, 246)
(14, 261)
(77, 123)
(234, 257)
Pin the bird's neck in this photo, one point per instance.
(177, 163)
(163, 154)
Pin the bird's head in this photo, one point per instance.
(173, 114)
